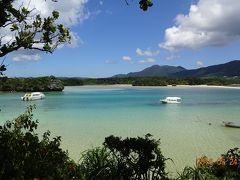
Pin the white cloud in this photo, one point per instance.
(75, 40)
(209, 23)
(199, 63)
(127, 59)
(147, 52)
(26, 57)
(72, 12)
(148, 60)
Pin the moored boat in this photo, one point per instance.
(171, 100)
(33, 96)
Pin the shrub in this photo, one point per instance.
(24, 156)
(225, 167)
(130, 158)
(98, 163)
(137, 158)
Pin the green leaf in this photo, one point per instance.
(55, 14)
(14, 27)
(46, 47)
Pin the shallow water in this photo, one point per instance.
(83, 116)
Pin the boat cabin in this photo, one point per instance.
(171, 100)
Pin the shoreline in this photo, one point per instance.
(132, 87)
(169, 86)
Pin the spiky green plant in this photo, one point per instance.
(98, 163)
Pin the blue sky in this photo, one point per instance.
(113, 38)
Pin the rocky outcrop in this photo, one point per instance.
(55, 85)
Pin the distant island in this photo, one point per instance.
(227, 74)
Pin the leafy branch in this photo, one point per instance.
(29, 30)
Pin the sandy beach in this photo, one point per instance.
(169, 86)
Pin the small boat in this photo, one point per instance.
(33, 96)
(171, 100)
(232, 124)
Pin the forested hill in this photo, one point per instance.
(154, 71)
(230, 69)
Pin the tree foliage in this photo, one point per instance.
(143, 4)
(72, 81)
(225, 167)
(129, 158)
(29, 30)
(137, 158)
(48, 83)
(2, 68)
(24, 156)
(98, 163)
(152, 81)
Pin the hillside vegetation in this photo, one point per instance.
(49, 83)
(229, 69)
(153, 81)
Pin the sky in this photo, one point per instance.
(110, 37)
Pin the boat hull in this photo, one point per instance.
(32, 97)
(167, 102)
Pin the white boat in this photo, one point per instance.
(33, 96)
(171, 100)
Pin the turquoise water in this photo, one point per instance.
(83, 116)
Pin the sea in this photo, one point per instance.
(84, 115)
